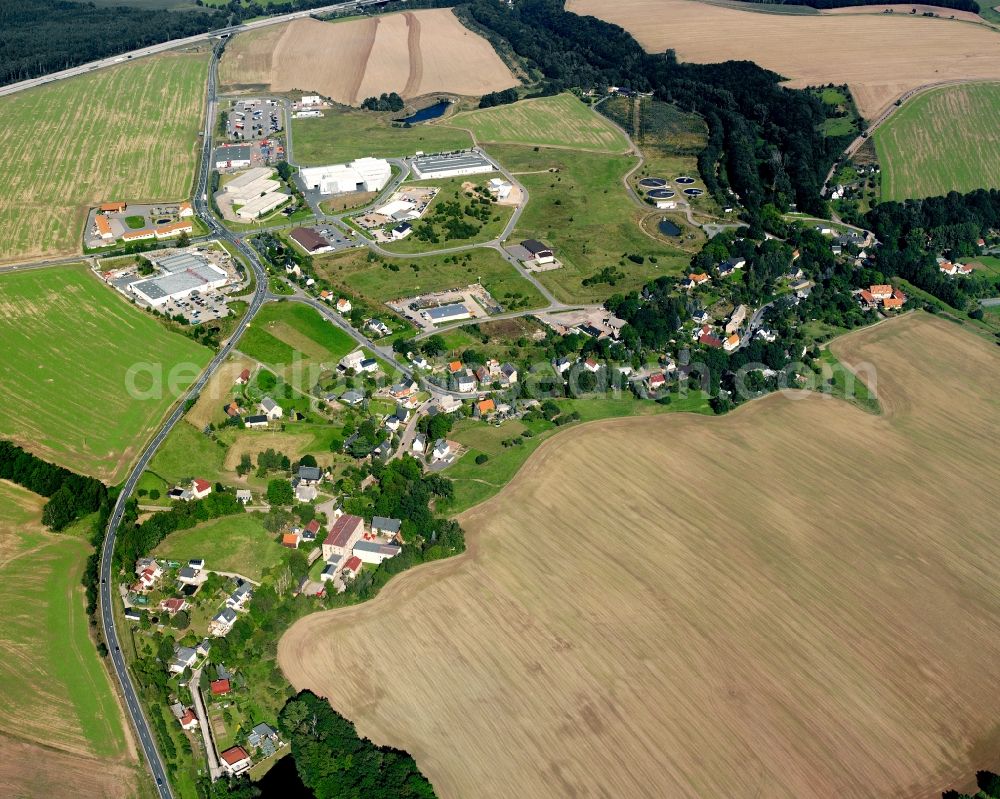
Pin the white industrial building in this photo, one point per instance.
(500, 187)
(233, 156)
(363, 174)
(256, 191)
(446, 313)
(180, 275)
(449, 165)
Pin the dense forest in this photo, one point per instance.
(42, 36)
(71, 496)
(764, 140)
(334, 761)
(914, 232)
(988, 784)
(960, 5)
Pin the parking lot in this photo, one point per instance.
(254, 119)
(198, 308)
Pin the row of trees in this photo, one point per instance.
(334, 761)
(41, 36)
(765, 142)
(71, 496)
(961, 5)
(504, 97)
(135, 541)
(385, 102)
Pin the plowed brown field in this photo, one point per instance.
(878, 56)
(795, 600)
(412, 53)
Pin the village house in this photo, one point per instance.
(895, 302)
(243, 378)
(403, 389)
(657, 381)
(710, 340)
(200, 488)
(374, 552)
(352, 567)
(698, 278)
(271, 409)
(342, 536)
(562, 365)
(188, 575)
(383, 525)
(263, 737)
(418, 360)
(311, 530)
(881, 291)
(591, 365)
(486, 407)
(173, 605)
(419, 444)
(352, 360)
(179, 494)
(508, 374)
(219, 687)
(222, 622)
(738, 318)
(255, 422)
(235, 760)
(442, 449)
(239, 598)
(369, 366)
(243, 496)
(148, 571)
(731, 343)
(189, 720)
(184, 657)
(701, 317)
(309, 475)
(344, 305)
(465, 383)
(291, 540)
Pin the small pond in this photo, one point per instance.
(668, 228)
(431, 112)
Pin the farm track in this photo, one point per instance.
(416, 76)
(367, 43)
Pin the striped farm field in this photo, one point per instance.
(57, 698)
(797, 600)
(129, 132)
(560, 121)
(82, 370)
(943, 140)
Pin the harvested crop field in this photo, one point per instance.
(878, 56)
(943, 140)
(87, 375)
(413, 53)
(129, 132)
(811, 614)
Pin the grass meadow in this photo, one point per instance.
(385, 280)
(233, 543)
(943, 140)
(690, 605)
(70, 344)
(53, 687)
(559, 121)
(579, 206)
(343, 135)
(128, 132)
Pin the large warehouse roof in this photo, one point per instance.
(452, 162)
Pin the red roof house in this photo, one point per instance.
(219, 687)
(353, 564)
(709, 340)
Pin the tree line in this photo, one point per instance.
(334, 761)
(71, 496)
(42, 36)
(764, 143)
(914, 232)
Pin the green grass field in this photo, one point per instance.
(943, 140)
(345, 135)
(125, 133)
(451, 191)
(290, 336)
(376, 281)
(559, 121)
(52, 685)
(233, 544)
(88, 376)
(582, 210)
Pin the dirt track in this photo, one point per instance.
(748, 609)
(412, 53)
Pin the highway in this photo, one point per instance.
(173, 44)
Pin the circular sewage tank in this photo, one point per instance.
(693, 192)
(684, 180)
(652, 183)
(660, 194)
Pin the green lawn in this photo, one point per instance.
(943, 140)
(54, 688)
(451, 191)
(475, 483)
(294, 338)
(88, 375)
(344, 135)
(232, 544)
(376, 281)
(847, 385)
(583, 211)
(129, 132)
(559, 121)
(186, 453)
